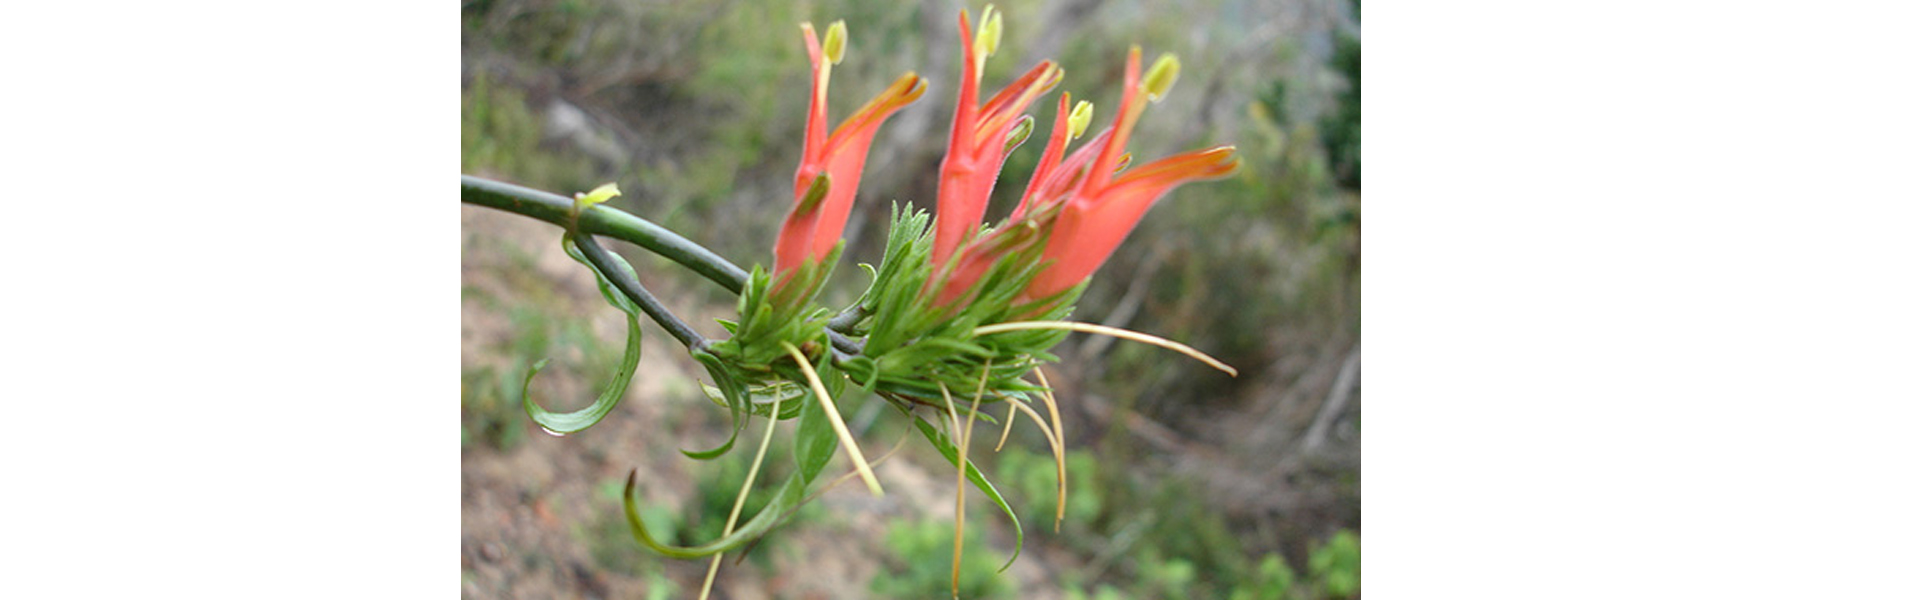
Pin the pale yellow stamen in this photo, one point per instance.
(987, 40)
(833, 417)
(1125, 334)
(1059, 447)
(1078, 120)
(1007, 430)
(741, 500)
(835, 47)
(1160, 78)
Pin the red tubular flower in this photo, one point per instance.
(829, 173)
(983, 252)
(1101, 206)
(979, 144)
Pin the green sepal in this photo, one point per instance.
(913, 347)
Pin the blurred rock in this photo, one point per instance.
(570, 124)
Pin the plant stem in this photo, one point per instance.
(638, 293)
(620, 225)
(603, 220)
(845, 321)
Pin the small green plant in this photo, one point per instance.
(1100, 592)
(490, 410)
(1033, 478)
(1170, 578)
(1271, 580)
(1335, 566)
(921, 565)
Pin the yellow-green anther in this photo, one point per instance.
(987, 41)
(1160, 78)
(1017, 135)
(836, 44)
(1125, 161)
(600, 194)
(1078, 120)
(816, 192)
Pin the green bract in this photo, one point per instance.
(914, 347)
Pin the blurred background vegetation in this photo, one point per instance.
(1187, 483)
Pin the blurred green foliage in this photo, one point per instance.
(922, 564)
(500, 134)
(1271, 580)
(1030, 479)
(1341, 130)
(490, 408)
(1336, 566)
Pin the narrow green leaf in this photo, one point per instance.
(788, 496)
(570, 422)
(946, 448)
(736, 396)
(814, 441)
(608, 292)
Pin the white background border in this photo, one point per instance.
(1640, 305)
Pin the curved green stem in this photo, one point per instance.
(639, 294)
(603, 220)
(620, 225)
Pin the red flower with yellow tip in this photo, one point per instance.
(829, 173)
(1086, 204)
(982, 135)
(1107, 203)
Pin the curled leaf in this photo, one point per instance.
(616, 388)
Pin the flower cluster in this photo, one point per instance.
(957, 307)
(1076, 209)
